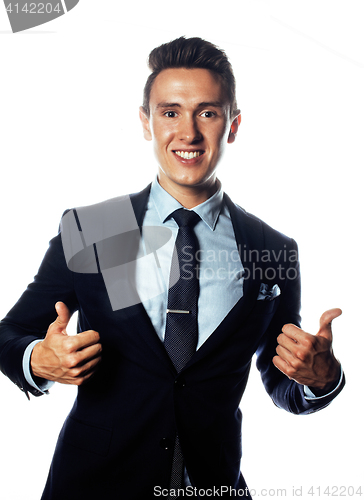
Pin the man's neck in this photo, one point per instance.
(189, 196)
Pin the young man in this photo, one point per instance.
(160, 415)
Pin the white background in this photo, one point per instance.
(70, 136)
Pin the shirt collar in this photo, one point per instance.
(165, 204)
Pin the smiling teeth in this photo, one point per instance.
(188, 155)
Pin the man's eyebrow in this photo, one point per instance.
(212, 104)
(168, 105)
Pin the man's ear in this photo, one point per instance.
(234, 128)
(145, 124)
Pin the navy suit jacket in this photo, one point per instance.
(117, 441)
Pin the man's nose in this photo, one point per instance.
(189, 130)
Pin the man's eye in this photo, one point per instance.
(170, 114)
(208, 114)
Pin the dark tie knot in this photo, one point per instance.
(185, 217)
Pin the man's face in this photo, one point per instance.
(189, 124)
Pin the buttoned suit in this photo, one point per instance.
(117, 441)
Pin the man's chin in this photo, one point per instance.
(190, 183)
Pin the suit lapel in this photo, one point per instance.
(250, 241)
(140, 325)
(139, 202)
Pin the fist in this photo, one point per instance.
(309, 359)
(63, 358)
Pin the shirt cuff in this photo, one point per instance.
(309, 395)
(44, 386)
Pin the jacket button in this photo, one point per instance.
(166, 443)
(180, 382)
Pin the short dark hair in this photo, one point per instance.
(191, 53)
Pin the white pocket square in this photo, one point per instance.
(268, 294)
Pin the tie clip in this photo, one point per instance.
(177, 311)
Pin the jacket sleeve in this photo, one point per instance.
(285, 393)
(31, 316)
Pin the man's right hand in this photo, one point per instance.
(63, 358)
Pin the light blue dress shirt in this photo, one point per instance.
(220, 268)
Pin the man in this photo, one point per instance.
(161, 369)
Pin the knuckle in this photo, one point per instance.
(68, 363)
(298, 365)
(290, 371)
(302, 355)
(76, 373)
(71, 360)
(69, 344)
(295, 364)
(308, 342)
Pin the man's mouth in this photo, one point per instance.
(188, 155)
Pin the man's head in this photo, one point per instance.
(190, 114)
(191, 53)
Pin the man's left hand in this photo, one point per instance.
(309, 359)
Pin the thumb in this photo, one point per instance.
(325, 323)
(63, 317)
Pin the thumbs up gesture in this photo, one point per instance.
(309, 359)
(66, 359)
